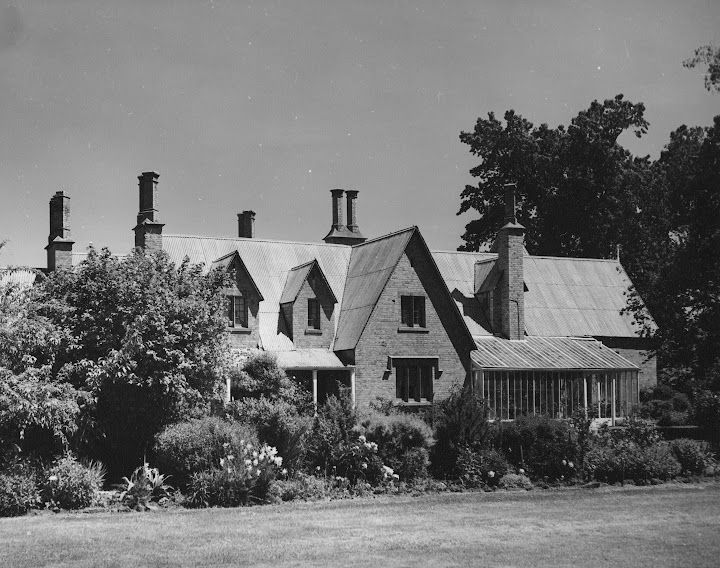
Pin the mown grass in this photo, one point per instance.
(671, 525)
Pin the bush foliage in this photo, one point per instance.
(70, 484)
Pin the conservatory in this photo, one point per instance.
(554, 377)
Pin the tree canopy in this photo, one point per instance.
(708, 54)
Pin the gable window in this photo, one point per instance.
(237, 312)
(412, 311)
(313, 313)
(414, 381)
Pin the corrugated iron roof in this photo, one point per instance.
(309, 359)
(23, 277)
(458, 270)
(268, 262)
(233, 258)
(547, 353)
(571, 297)
(371, 265)
(296, 278)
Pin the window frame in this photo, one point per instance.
(235, 322)
(413, 313)
(314, 321)
(414, 380)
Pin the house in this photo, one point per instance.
(389, 318)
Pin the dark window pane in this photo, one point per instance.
(313, 313)
(240, 313)
(406, 310)
(419, 311)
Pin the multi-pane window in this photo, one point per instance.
(412, 311)
(313, 313)
(237, 311)
(413, 382)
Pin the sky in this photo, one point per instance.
(269, 105)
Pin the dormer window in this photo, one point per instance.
(313, 305)
(237, 312)
(412, 311)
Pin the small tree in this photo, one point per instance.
(145, 338)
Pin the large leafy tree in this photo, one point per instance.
(578, 190)
(145, 338)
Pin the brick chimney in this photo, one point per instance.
(246, 224)
(148, 231)
(508, 299)
(59, 248)
(339, 232)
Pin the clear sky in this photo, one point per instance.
(269, 105)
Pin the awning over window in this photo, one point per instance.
(550, 353)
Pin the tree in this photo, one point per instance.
(578, 190)
(709, 55)
(145, 338)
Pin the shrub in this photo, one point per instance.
(238, 479)
(302, 486)
(707, 416)
(690, 455)
(664, 404)
(198, 445)
(336, 448)
(460, 422)
(475, 468)
(71, 485)
(278, 424)
(145, 486)
(18, 494)
(515, 481)
(403, 441)
(540, 445)
(616, 462)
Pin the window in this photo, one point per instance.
(412, 310)
(413, 382)
(237, 312)
(313, 313)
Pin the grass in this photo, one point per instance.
(670, 525)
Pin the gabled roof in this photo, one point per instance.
(371, 265)
(269, 263)
(548, 353)
(297, 277)
(232, 259)
(487, 275)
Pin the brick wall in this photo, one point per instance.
(245, 338)
(305, 338)
(382, 339)
(509, 303)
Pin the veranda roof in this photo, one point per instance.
(547, 353)
(318, 359)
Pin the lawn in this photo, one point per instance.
(669, 525)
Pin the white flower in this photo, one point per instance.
(278, 461)
(284, 472)
(53, 478)
(491, 474)
(255, 462)
(257, 473)
(396, 476)
(248, 462)
(363, 465)
(255, 454)
(362, 439)
(222, 462)
(231, 457)
(571, 464)
(564, 462)
(521, 471)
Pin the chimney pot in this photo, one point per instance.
(148, 231)
(351, 196)
(246, 224)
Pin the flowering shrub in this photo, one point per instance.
(475, 468)
(515, 481)
(198, 445)
(690, 455)
(18, 494)
(403, 441)
(241, 478)
(72, 485)
(145, 487)
(538, 444)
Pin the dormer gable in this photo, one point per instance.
(233, 262)
(307, 305)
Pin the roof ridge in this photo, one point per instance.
(381, 237)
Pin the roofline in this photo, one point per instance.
(382, 237)
(243, 239)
